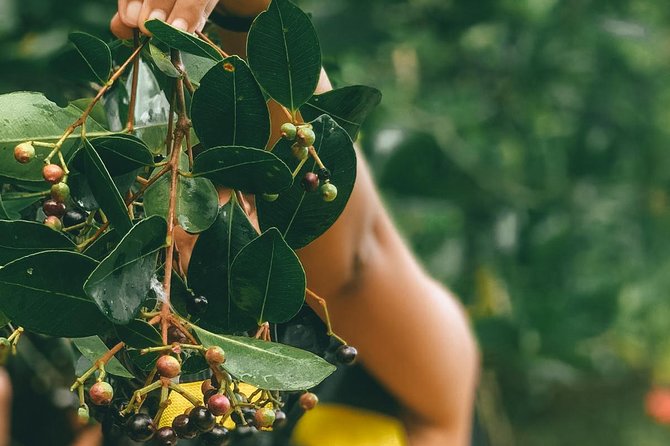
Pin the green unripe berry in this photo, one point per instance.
(264, 417)
(24, 152)
(328, 192)
(60, 192)
(83, 414)
(305, 136)
(270, 197)
(300, 152)
(54, 223)
(288, 131)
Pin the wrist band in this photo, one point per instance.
(232, 23)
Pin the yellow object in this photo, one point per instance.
(179, 404)
(325, 425)
(336, 425)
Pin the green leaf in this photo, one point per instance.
(138, 334)
(104, 190)
(284, 53)
(122, 153)
(15, 202)
(229, 108)
(197, 66)
(243, 168)
(120, 284)
(210, 263)
(26, 116)
(92, 348)
(197, 202)
(301, 216)
(348, 106)
(163, 62)
(180, 40)
(21, 238)
(97, 112)
(43, 293)
(267, 279)
(104, 245)
(95, 53)
(268, 365)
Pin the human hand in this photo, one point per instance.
(188, 15)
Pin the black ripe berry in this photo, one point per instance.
(140, 427)
(346, 354)
(73, 217)
(53, 207)
(184, 427)
(216, 437)
(324, 174)
(198, 305)
(165, 436)
(202, 418)
(175, 335)
(280, 420)
(310, 182)
(244, 431)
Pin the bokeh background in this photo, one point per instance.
(523, 149)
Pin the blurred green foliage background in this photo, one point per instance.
(523, 148)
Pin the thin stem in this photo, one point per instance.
(208, 40)
(312, 152)
(97, 365)
(324, 305)
(84, 116)
(130, 126)
(182, 127)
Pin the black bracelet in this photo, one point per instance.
(232, 23)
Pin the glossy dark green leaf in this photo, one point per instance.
(303, 216)
(120, 284)
(284, 53)
(122, 153)
(180, 40)
(138, 334)
(4, 320)
(26, 116)
(92, 348)
(104, 245)
(267, 279)
(95, 53)
(20, 238)
(194, 363)
(210, 263)
(104, 190)
(5, 214)
(15, 202)
(268, 365)
(163, 62)
(229, 108)
(197, 202)
(349, 106)
(243, 168)
(43, 293)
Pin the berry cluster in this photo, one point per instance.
(55, 208)
(304, 138)
(222, 400)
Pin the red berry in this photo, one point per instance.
(53, 207)
(24, 152)
(310, 182)
(264, 417)
(308, 401)
(218, 404)
(53, 222)
(215, 356)
(168, 366)
(101, 393)
(52, 173)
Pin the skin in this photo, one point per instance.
(407, 327)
